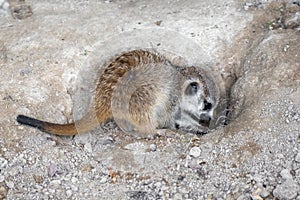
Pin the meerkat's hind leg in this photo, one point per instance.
(141, 100)
(133, 112)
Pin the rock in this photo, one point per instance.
(152, 147)
(69, 193)
(3, 163)
(52, 170)
(10, 184)
(264, 193)
(88, 147)
(38, 179)
(286, 190)
(55, 183)
(297, 158)
(103, 180)
(74, 180)
(177, 196)
(2, 178)
(243, 197)
(195, 152)
(13, 171)
(285, 174)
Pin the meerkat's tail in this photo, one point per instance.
(57, 129)
(80, 126)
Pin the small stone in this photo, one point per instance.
(103, 180)
(21, 11)
(13, 171)
(264, 193)
(10, 184)
(69, 193)
(286, 190)
(195, 152)
(93, 163)
(246, 7)
(152, 147)
(38, 179)
(74, 180)
(3, 163)
(242, 197)
(52, 170)
(280, 156)
(285, 174)
(158, 185)
(88, 147)
(1, 179)
(177, 196)
(297, 158)
(52, 191)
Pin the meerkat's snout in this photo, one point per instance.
(206, 116)
(204, 119)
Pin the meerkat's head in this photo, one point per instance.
(199, 99)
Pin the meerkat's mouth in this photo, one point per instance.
(197, 124)
(204, 119)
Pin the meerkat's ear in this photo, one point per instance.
(192, 89)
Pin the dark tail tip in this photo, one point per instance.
(22, 119)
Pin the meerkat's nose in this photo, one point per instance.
(204, 119)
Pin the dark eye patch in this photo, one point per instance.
(192, 88)
(207, 105)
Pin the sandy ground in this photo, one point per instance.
(49, 56)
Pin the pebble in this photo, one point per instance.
(177, 196)
(3, 163)
(88, 147)
(153, 147)
(280, 156)
(297, 158)
(285, 174)
(103, 180)
(69, 193)
(286, 190)
(74, 180)
(55, 183)
(195, 152)
(52, 170)
(158, 184)
(2, 178)
(14, 171)
(264, 193)
(10, 184)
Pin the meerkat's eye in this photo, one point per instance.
(207, 105)
(192, 88)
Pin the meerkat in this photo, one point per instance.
(142, 91)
